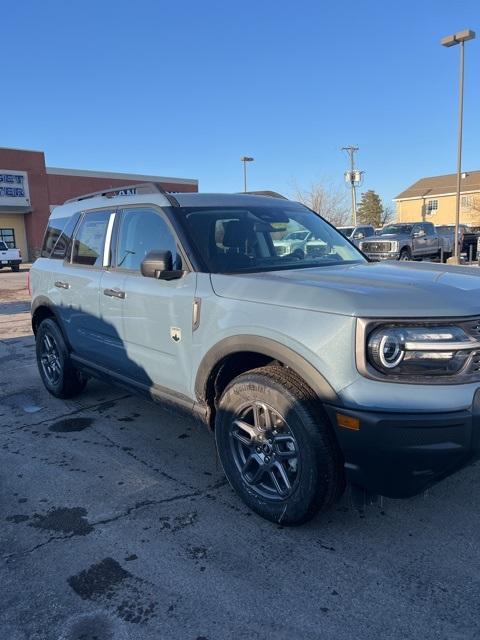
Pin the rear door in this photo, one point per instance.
(79, 283)
(157, 314)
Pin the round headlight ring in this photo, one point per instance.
(390, 352)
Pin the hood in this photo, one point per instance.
(375, 290)
(387, 237)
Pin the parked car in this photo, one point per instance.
(355, 234)
(403, 241)
(292, 243)
(468, 239)
(447, 235)
(310, 372)
(10, 257)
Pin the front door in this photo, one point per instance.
(157, 314)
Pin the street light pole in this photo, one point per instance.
(459, 38)
(245, 159)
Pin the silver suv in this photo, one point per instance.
(312, 370)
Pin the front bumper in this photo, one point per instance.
(9, 263)
(400, 455)
(378, 257)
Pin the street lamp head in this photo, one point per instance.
(456, 38)
(246, 159)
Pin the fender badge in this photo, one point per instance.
(175, 334)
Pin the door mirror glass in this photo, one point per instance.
(419, 233)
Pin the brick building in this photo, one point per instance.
(29, 189)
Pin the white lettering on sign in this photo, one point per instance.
(14, 189)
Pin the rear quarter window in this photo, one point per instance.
(58, 237)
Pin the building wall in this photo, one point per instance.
(415, 210)
(48, 188)
(16, 222)
(33, 162)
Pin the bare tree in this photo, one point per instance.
(388, 215)
(329, 200)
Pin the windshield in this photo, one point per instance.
(3, 246)
(397, 228)
(347, 231)
(238, 239)
(445, 231)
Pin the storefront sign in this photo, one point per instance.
(14, 189)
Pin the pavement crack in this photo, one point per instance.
(147, 503)
(119, 516)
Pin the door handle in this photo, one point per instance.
(114, 293)
(62, 285)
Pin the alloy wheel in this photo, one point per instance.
(50, 359)
(265, 451)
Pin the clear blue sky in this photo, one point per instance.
(185, 88)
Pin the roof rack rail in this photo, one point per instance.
(129, 190)
(271, 194)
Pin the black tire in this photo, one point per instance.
(299, 431)
(57, 371)
(405, 254)
(15, 267)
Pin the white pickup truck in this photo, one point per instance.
(10, 257)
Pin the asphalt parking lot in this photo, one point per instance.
(117, 523)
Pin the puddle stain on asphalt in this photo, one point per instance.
(117, 589)
(70, 425)
(99, 579)
(17, 518)
(64, 520)
(93, 626)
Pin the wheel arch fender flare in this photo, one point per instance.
(266, 347)
(42, 302)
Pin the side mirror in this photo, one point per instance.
(419, 234)
(159, 264)
(358, 236)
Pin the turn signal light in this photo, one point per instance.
(347, 422)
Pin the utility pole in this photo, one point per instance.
(354, 177)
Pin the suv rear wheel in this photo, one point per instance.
(58, 374)
(276, 446)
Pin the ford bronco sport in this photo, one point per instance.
(311, 370)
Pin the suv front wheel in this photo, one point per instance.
(58, 374)
(276, 446)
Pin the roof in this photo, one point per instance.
(113, 175)
(228, 200)
(441, 185)
(97, 201)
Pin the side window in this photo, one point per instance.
(90, 238)
(142, 231)
(58, 237)
(429, 229)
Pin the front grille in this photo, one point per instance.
(316, 250)
(376, 247)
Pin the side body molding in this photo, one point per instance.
(266, 347)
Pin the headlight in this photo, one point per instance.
(417, 350)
